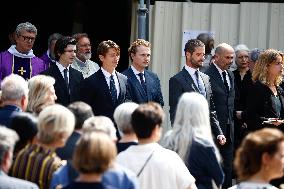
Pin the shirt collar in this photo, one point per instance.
(60, 67)
(136, 72)
(106, 73)
(190, 70)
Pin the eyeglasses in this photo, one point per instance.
(27, 38)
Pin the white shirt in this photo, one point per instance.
(227, 76)
(191, 72)
(136, 72)
(164, 170)
(107, 76)
(61, 69)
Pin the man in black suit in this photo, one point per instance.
(107, 88)
(187, 81)
(144, 85)
(222, 81)
(67, 79)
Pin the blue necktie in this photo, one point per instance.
(199, 84)
(113, 91)
(142, 82)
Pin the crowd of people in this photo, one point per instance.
(69, 122)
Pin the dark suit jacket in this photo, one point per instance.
(152, 84)
(260, 105)
(181, 83)
(66, 152)
(6, 114)
(223, 101)
(61, 91)
(96, 93)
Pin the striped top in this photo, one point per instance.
(36, 164)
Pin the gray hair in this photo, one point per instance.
(54, 36)
(8, 138)
(54, 120)
(100, 124)
(122, 116)
(26, 26)
(14, 87)
(241, 47)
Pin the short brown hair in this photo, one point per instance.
(137, 43)
(248, 158)
(104, 46)
(94, 153)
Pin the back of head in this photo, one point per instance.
(82, 111)
(25, 124)
(122, 116)
(52, 37)
(254, 54)
(94, 153)
(53, 121)
(248, 160)
(39, 92)
(100, 124)
(13, 88)
(208, 41)
(145, 118)
(8, 138)
(26, 26)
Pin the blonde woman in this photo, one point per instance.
(41, 93)
(265, 102)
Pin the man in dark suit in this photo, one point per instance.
(187, 81)
(67, 79)
(14, 96)
(144, 85)
(222, 81)
(8, 138)
(107, 88)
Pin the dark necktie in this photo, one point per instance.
(225, 81)
(142, 82)
(113, 91)
(65, 72)
(199, 84)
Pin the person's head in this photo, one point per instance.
(109, 54)
(242, 56)
(191, 122)
(8, 138)
(253, 57)
(224, 55)
(208, 41)
(55, 125)
(194, 53)
(25, 37)
(122, 116)
(25, 124)
(94, 153)
(269, 67)
(262, 152)
(15, 91)
(65, 50)
(140, 54)
(147, 120)
(41, 93)
(84, 47)
(100, 124)
(51, 43)
(82, 111)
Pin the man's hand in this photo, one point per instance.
(221, 139)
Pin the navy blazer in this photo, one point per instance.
(61, 91)
(223, 101)
(96, 93)
(6, 114)
(152, 85)
(182, 82)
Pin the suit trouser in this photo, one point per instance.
(226, 152)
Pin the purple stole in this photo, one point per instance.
(25, 67)
(47, 61)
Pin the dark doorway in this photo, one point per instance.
(102, 20)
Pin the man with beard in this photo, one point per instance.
(190, 79)
(144, 85)
(82, 62)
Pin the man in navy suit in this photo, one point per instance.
(144, 85)
(8, 138)
(106, 88)
(222, 81)
(14, 96)
(191, 79)
(67, 79)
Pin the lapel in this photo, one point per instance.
(217, 77)
(122, 87)
(59, 78)
(136, 82)
(189, 81)
(103, 85)
(206, 82)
